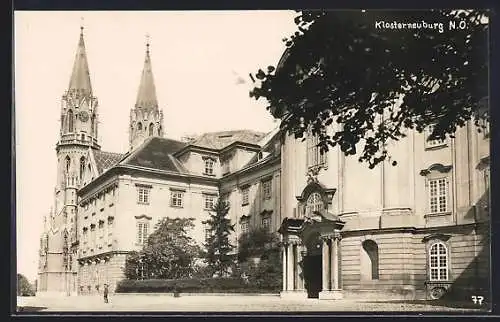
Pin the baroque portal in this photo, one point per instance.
(311, 247)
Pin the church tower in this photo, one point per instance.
(78, 133)
(146, 119)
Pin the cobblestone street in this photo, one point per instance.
(203, 303)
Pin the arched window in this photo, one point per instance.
(438, 262)
(314, 203)
(159, 130)
(82, 167)
(68, 163)
(70, 121)
(139, 126)
(151, 129)
(371, 250)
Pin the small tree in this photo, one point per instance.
(24, 287)
(218, 246)
(169, 253)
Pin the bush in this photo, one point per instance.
(24, 287)
(193, 285)
(267, 274)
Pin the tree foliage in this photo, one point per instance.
(256, 243)
(376, 82)
(24, 287)
(218, 246)
(169, 253)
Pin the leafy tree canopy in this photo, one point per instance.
(169, 253)
(256, 242)
(378, 81)
(24, 287)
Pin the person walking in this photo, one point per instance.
(106, 290)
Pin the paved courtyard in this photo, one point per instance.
(205, 303)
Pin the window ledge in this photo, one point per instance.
(173, 206)
(245, 204)
(142, 203)
(443, 282)
(438, 214)
(209, 174)
(436, 147)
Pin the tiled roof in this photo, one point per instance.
(219, 140)
(156, 153)
(105, 160)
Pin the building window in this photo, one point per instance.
(245, 225)
(139, 126)
(432, 143)
(371, 251)
(151, 129)
(142, 232)
(244, 196)
(143, 195)
(70, 121)
(267, 189)
(208, 232)
(266, 222)
(176, 198)
(209, 166)
(438, 262)
(314, 156)
(314, 203)
(82, 167)
(68, 164)
(208, 201)
(438, 195)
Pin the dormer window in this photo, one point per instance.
(208, 166)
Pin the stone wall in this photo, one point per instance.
(92, 276)
(403, 263)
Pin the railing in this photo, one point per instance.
(77, 138)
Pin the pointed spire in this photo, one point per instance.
(80, 76)
(146, 97)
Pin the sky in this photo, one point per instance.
(201, 61)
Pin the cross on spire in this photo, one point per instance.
(81, 24)
(146, 96)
